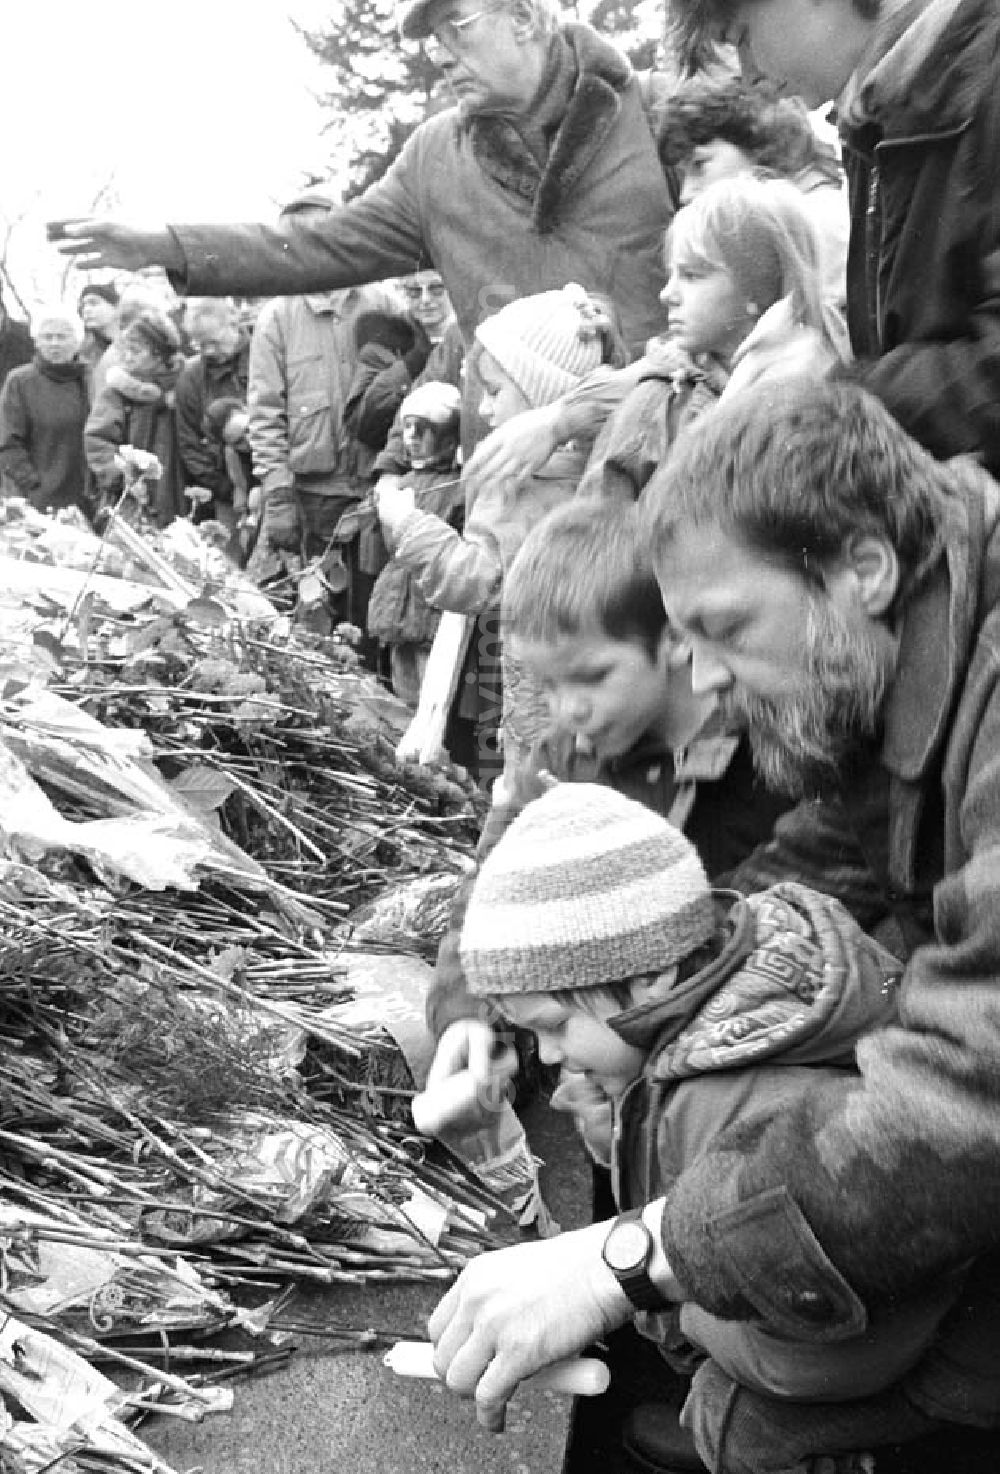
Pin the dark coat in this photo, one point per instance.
(118, 419)
(923, 276)
(596, 213)
(43, 409)
(202, 456)
(862, 1193)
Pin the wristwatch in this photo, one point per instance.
(627, 1251)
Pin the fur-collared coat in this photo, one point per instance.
(595, 213)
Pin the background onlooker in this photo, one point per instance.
(227, 420)
(98, 309)
(43, 409)
(219, 369)
(303, 358)
(136, 407)
(713, 129)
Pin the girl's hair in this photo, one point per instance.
(761, 232)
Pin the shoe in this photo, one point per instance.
(655, 1442)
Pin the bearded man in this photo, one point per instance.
(840, 590)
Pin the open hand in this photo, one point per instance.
(92, 243)
(513, 451)
(512, 1312)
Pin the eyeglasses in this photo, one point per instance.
(413, 291)
(447, 38)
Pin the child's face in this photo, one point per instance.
(579, 1042)
(706, 311)
(611, 692)
(420, 440)
(717, 159)
(502, 399)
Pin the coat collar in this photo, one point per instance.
(602, 74)
(938, 627)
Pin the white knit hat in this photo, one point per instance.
(436, 401)
(585, 888)
(546, 343)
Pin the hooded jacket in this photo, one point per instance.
(465, 571)
(596, 213)
(921, 148)
(870, 1186)
(789, 988)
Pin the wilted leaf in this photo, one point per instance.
(206, 611)
(47, 643)
(202, 787)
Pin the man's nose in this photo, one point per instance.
(708, 672)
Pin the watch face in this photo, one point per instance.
(626, 1247)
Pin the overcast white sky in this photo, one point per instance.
(196, 109)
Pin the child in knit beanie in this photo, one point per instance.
(680, 1020)
(528, 354)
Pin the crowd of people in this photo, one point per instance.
(693, 419)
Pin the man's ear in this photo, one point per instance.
(870, 564)
(525, 21)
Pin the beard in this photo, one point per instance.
(802, 744)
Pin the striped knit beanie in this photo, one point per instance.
(546, 343)
(584, 889)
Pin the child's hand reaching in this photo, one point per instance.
(592, 1112)
(394, 505)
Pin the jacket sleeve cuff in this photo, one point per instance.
(756, 1258)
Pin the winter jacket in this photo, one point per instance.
(788, 986)
(921, 141)
(709, 790)
(666, 390)
(869, 1187)
(302, 361)
(672, 392)
(43, 409)
(465, 572)
(137, 413)
(202, 456)
(398, 613)
(595, 213)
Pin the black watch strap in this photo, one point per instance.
(628, 1250)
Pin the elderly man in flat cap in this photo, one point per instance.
(544, 171)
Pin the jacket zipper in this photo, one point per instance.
(873, 251)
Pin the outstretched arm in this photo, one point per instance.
(93, 243)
